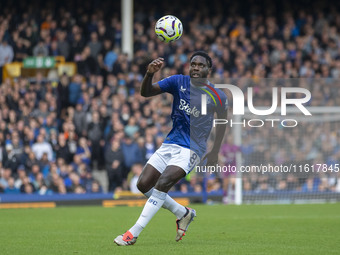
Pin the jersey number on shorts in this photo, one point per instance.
(193, 161)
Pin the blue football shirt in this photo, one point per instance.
(190, 128)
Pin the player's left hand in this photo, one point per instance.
(212, 158)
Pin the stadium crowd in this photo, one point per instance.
(52, 136)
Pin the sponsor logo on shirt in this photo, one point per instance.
(184, 106)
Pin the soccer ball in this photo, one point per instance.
(169, 28)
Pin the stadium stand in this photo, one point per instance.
(53, 135)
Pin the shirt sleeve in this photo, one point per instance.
(168, 84)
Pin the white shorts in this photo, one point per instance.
(174, 155)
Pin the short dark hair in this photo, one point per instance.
(202, 54)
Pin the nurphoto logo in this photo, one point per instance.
(239, 102)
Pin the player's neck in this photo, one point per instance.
(199, 83)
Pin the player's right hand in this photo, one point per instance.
(155, 65)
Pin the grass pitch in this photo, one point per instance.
(217, 229)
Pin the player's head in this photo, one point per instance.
(200, 65)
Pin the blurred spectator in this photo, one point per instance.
(11, 159)
(21, 176)
(86, 64)
(136, 171)
(62, 149)
(310, 185)
(96, 188)
(63, 45)
(26, 186)
(131, 128)
(42, 111)
(41, 49)
(53, 49)
(95, 135)
(114, 161)
(41, 147)
(11, 189)
(150, 146)
(107, 57)
(21, 50)
(142, 149)
(94, 45)
(34, 172)
(79, 119)
(77, 44)
(132, 154)
(75, 90)
(6, 55)
(83, 151)
(63, 94)
(5, 174)
(30, 161)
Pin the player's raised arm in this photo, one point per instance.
(148, 89)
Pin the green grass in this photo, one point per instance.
(218, 229)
